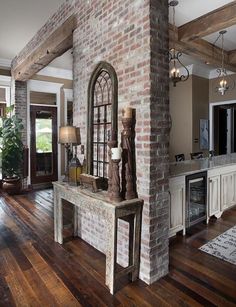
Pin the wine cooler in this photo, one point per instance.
(196, 198)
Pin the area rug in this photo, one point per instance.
(223, 246)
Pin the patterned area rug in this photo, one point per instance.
(223, 246)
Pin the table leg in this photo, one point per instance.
(111, 254)
(75, 221)
(58, 219)
(137, 235)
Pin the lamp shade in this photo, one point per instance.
(67, 135)
(78, 136)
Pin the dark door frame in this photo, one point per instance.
(54, 177)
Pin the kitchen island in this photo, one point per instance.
(220, 191)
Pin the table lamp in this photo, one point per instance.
(67, 137)
(75, 167)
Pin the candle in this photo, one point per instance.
(127, 112)
(115, 153)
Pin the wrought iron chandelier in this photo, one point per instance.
(174, 56)
(224, 81)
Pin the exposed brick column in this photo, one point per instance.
(159, 140)
(137, 47)
(21, 106)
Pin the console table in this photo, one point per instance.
(99, 204)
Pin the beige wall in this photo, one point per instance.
(181, 114)
(215, 97)
(200, 108)
(189, 102)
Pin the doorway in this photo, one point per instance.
(44, 158)
(224, 129)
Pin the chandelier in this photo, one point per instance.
(174, 56)
(224, 82)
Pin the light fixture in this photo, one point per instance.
(67, 136)
(176, 66)
(224, 82)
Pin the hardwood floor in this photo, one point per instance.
(35, 271)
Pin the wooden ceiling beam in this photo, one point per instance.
(200, 49)
(212, 22)
(232, 57)
(54, 46)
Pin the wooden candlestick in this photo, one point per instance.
(128, 170)
(115, 196)
(111, 144)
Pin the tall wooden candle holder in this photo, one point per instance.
(115, 196)
(111, 144)
(128, 171)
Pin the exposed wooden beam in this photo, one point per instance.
(55, 45)
(212, 22)
(232, 57)
(200, 49)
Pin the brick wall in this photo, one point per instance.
(119, 32)
(131, 35)
(21, 106)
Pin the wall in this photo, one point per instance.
(132, 35)
(189, 102)
(119, 33)
(215, 97)
(20, 91)
(181, 110)
(200, 109)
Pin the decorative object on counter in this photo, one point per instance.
(212, 153)
(111, 144)
(67, 137)
(75, 170)
(174, 56)
(128, 157)
(180, 157)
(93, 182)
(224, 81)
(75, 167)
(196, 155)
(204, 134)
(116, 158)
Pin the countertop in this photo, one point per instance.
(193, 166)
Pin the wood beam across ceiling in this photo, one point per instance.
(212, 22)
(52, 47)
(232, 57)
(200, 49)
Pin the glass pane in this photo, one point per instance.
(197, 208)
(43, 135)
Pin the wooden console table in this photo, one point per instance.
(98, 203)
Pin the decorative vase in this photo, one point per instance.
(11, 185)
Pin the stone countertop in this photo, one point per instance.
(189, 167)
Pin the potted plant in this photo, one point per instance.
(12, 154)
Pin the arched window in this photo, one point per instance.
(102, 119)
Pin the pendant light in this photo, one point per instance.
(174, 56)
(224, 82)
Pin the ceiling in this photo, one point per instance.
(20, 20)
(189, 16)
(187, 11)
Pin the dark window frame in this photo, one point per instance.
(100, 68)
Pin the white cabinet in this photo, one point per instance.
(177, 205)
(214, 195)
(228, 182)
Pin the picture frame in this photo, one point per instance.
(204, 134)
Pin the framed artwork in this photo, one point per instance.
(204, 134)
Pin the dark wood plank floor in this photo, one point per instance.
(35, 271)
